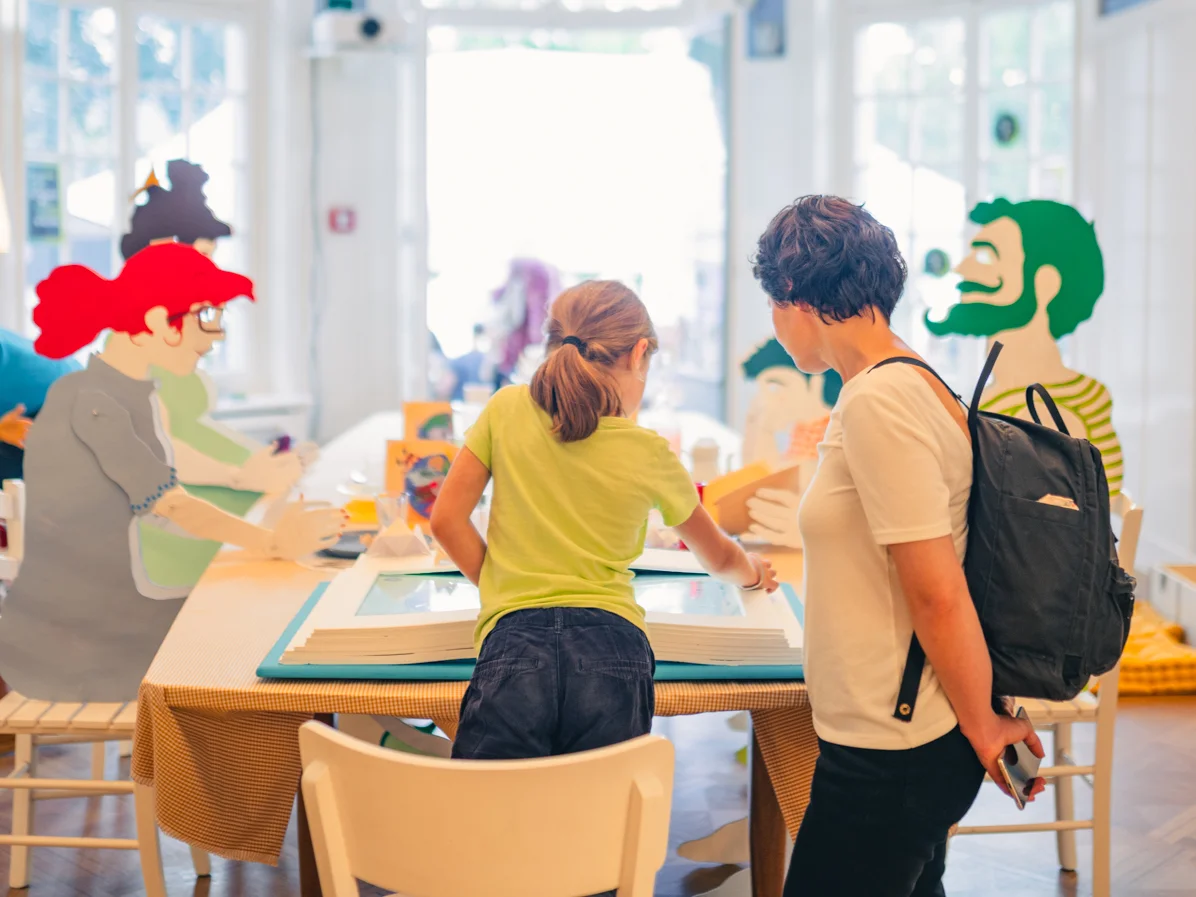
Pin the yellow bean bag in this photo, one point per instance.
(1156, 662)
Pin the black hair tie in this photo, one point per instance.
(579, 343)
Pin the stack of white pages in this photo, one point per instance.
(395, 611)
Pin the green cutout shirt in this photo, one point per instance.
(172, 559)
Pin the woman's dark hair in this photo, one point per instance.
(832, 257)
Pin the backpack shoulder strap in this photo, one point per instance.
(974, 408)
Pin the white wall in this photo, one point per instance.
(1137, 179)
(781, 138)
(337, 129)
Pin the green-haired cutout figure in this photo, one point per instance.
(1034, 274)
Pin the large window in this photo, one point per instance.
(938, 128)
(92, 132)
(559, 156)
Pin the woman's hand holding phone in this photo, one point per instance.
(996, 733)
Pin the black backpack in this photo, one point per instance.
(1041, 560)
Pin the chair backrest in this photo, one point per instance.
(1130, 515)
(427, 827)
(12, 513)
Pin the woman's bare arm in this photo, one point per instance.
(945, 621)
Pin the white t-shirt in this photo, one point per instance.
(894, 467)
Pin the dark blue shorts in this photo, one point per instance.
(556, 681)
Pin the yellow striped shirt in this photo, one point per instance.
(1088, 400)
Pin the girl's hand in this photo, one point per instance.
(766, 577)
(14, 426)
(996, 732)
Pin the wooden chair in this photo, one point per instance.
(37, 723)
(575, 824)
(12, 512)
(1058, 716)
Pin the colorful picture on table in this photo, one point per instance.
(417, 468)
(428, 420)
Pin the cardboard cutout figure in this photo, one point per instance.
(83, 619)
(788, 403)
(214, 462)
(1034, 274)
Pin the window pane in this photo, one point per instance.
(938, 132)
(1052, 182)
(1008, 179)
(1054, 40)
(938, 197)
(160, 122)
(217, 133)
(938, 64)
(90, 196)
(89, 120)
(217, 54)
(882, 130)
(41, 257)
(159, 49)
(40, 113)
(1005, 48)
(883, 53)
(1054, 103)
(91, 48)
(94, 251)
(1004, 119)
(887, 190)
(41, 36)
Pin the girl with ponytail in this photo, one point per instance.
(84, 619)
(564, 663)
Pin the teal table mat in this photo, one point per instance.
(456, 670)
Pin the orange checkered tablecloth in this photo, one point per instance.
(221, 746)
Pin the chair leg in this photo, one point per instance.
(201, 861)
(99, 758)
(1102, 810)
(148, 844)
(24, 752)
(1065, 801)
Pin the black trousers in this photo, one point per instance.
(877, 821)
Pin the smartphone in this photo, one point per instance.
(1019, 768)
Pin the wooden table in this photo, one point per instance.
(221, 747)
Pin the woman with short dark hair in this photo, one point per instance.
(884, 527)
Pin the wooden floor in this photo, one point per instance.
(1154, 815)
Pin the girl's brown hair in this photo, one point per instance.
(590, 327)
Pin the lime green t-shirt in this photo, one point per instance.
(568, 519)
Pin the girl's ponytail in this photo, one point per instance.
(590, 327)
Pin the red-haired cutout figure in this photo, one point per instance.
(83, 620)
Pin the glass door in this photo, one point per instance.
(565, 155)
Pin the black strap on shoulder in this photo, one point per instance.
(915, 660)
(1040, 391)
(974, 408)
(907, 695)
(918, 363)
